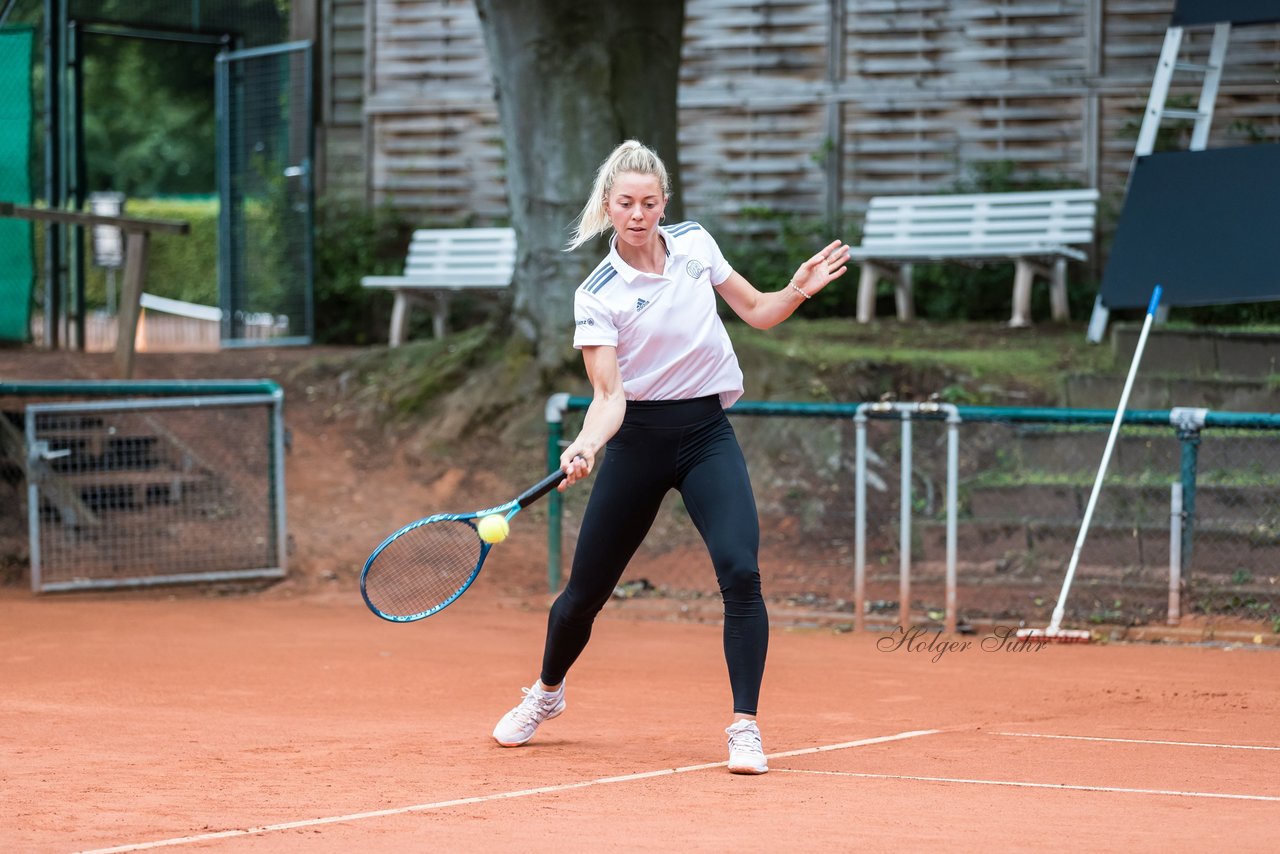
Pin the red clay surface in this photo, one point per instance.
(190, 717)
(137, 719)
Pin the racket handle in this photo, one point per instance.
(540, 488)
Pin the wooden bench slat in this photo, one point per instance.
(977, 228)
(993, 252)
(428, 281)
(1036, 231)
(942, 240)
(909, 219)
(1021, 197)
(446, 256)
(1071, 209)
(991, 242)
(1026, 208)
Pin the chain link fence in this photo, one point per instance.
(104, 493)
(1232, 560)
(264, 175)
(1023, 480)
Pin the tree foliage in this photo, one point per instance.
(148, 117)
(149, 102)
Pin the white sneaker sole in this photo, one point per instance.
(748, 769)
(502, 743)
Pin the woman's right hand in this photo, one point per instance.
(576, 462)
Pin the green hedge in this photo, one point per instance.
(351, 241)
(180, 266)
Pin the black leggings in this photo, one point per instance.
(688, 445)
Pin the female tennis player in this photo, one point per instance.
(663, 371)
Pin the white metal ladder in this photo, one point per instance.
(1158, 110)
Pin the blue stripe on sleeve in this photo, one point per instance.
(683, 228)
(599, 279)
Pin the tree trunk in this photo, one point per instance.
(572, 80)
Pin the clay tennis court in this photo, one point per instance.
(290, 717)
(277, 721)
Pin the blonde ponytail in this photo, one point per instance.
(630, 156)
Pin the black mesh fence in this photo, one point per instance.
(251, 22)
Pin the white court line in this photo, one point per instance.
(1024, 785)
(480, 799)
(1139, 741)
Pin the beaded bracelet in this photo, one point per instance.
(792, 284)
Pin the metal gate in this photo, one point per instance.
(265, 155)
(143, 492)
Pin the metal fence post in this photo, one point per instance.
(1175, 555)
(904, 525)
(556, 406)
(952, 500)
(860, 519)
(1189, 421)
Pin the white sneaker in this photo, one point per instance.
(518, 725)
(746, 752)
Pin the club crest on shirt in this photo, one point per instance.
(694, 268)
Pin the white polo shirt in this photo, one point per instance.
(670, 341)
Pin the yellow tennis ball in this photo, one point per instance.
(493, 528)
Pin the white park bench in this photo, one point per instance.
(441, 262)
(1037, 231)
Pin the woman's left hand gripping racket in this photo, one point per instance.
(426, 565)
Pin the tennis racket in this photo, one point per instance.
(423, 567)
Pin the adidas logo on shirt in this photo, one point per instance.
(641, 303)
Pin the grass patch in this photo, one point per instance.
(972, 353)
(399, 382)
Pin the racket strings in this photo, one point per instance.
(423, 568)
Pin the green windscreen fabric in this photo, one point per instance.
(17, 261)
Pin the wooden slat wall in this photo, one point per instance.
(345, 51)
(751, 107)
(341, 138)
(432, 125)
(809, 106)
